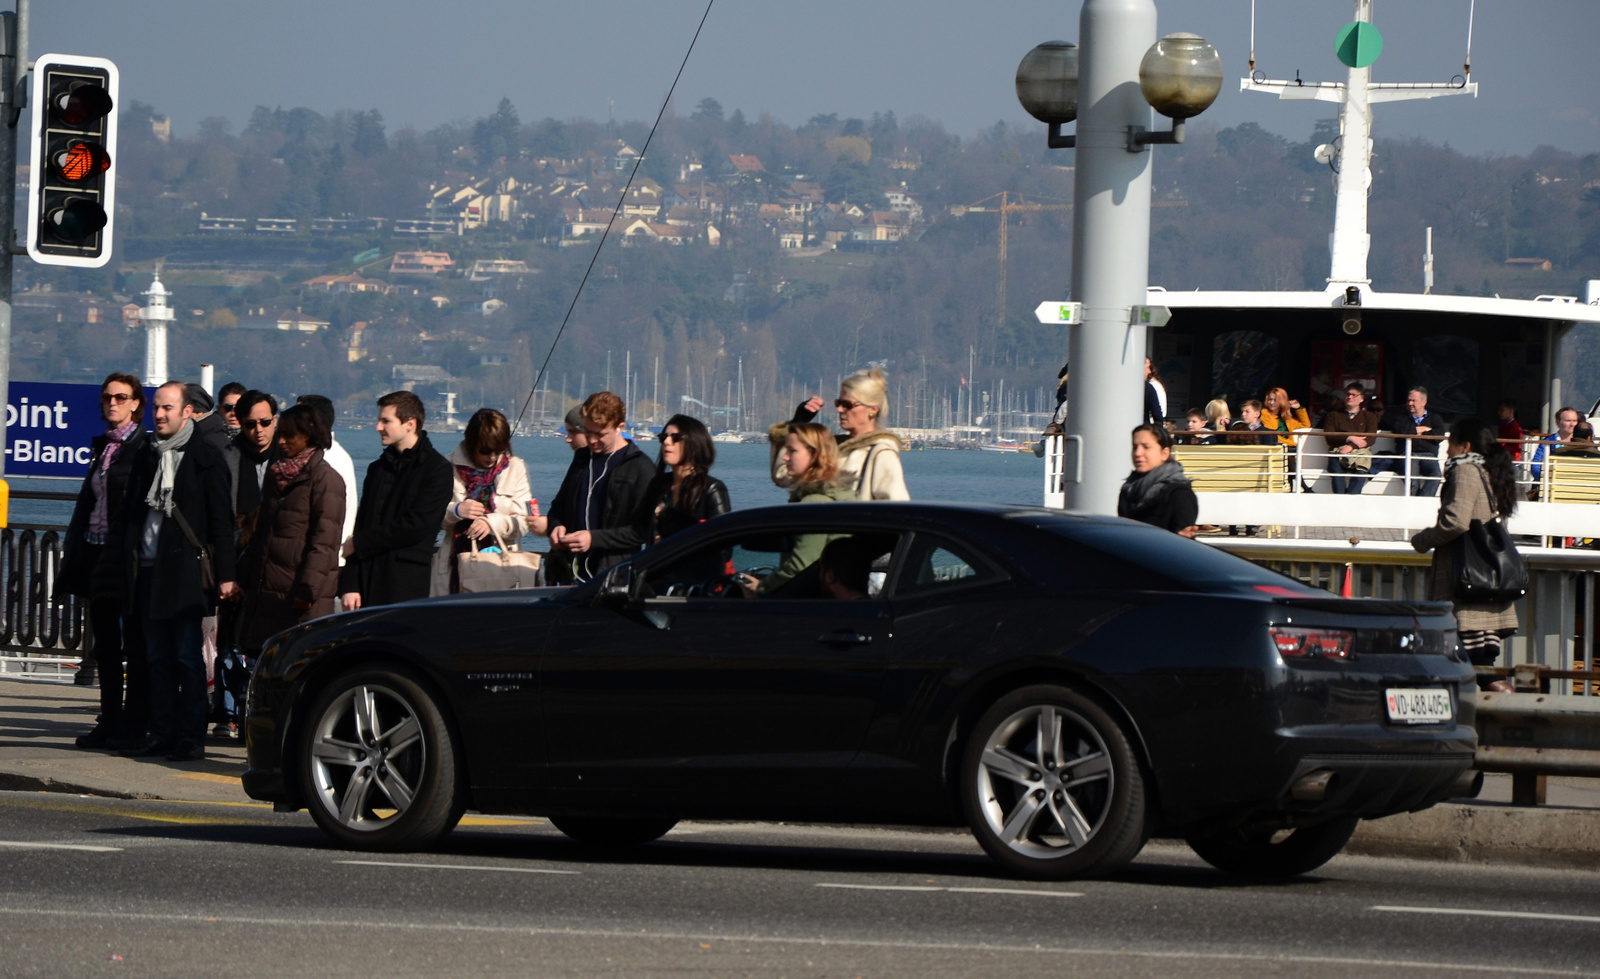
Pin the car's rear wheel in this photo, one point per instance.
(1051, 786)
(613, 831)
(1266, 854)
(378, 765)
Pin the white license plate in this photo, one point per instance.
(1419, 705)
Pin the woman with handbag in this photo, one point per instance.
(491, 505)
(1480, 489)
(289, 569)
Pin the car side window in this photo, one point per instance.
(935, 564)
(856, 565)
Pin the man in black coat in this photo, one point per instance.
(389, 557)
(92, 569)
(177, 502)
(601, 514)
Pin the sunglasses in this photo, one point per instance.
(116, 399)
(250, 423)
(672, 436)
(845, 404)
(228, 406)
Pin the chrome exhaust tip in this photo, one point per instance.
(1467, 785)
(1313, 787)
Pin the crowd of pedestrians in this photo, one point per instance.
(231, 520)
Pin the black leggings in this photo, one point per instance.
(119, 640)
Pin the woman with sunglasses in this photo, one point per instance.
(92, 568)
(684, 492)
(869, 456)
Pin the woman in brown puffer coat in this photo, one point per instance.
(289, 571)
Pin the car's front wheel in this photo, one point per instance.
(613, 831)
(1051, 786)
(377, 763)
(1267, 854)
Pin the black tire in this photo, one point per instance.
(1302, 851)
(389, 782)
(613, 832)
(1093, 822)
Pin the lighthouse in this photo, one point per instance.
(156, 315)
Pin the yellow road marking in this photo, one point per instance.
(208, 777)
(498, 821)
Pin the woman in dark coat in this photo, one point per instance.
(1480, 483)
(684, 492)
(290, 569)
(1157, 492)
(92, 568)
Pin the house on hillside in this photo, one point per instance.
(486, 268)
(643, 200)
(880, 226)
(902, 203)
(218, 225)
(641, 230)
(421, 263)
(346, 284)
(745, 163)
(287, 321)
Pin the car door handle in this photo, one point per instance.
(842, 638)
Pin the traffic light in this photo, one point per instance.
(70, 177)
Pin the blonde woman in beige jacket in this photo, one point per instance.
(490, 495)
(869, 456)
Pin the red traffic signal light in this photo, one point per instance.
(71, 180)
(81, 104)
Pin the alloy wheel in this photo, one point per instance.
(368, 755)
(1045, 781)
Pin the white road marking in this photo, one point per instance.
(26, 845)
(1487, 913)
(76, 914)
(952, 890)
(455, 866)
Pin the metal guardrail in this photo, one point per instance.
(1535, 735)
(38, 635)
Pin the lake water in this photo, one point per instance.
(931, 474)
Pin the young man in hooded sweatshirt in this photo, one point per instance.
(600, 515)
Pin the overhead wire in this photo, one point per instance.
(621, 199)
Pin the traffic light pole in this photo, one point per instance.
(13, 68)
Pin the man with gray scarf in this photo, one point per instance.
(177, 502)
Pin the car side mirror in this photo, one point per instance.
(620, 588)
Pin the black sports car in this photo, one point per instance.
(1066, 686)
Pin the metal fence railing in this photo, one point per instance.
(41, 637)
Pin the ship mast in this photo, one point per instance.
(1358, 46)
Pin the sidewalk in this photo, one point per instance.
(38, 721)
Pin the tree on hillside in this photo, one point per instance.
(498, 137)
(709, 108)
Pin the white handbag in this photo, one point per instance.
(480, 571)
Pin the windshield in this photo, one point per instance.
(1183, 562)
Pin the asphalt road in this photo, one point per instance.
(101, 887)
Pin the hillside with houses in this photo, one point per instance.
(748, 261)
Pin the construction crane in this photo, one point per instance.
(1005, 209)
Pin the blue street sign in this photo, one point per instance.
(49, 428)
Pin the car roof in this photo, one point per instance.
(910, 510)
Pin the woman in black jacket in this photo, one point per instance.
(684, 492)
(92, 568)
(1157, 492)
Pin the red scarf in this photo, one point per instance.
(284, 471)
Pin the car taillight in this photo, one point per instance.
(1329, 643)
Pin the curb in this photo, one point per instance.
(1545, 836)
(16, 782)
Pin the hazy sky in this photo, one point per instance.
(425, 63)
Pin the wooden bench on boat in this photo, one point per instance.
(1571, 479)
(1234, 468)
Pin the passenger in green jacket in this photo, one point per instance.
(811, 457)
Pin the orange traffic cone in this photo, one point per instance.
(1349, 571)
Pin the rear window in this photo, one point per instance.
(1182, 562)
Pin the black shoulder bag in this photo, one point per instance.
(1488, 568)
(208, 568)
